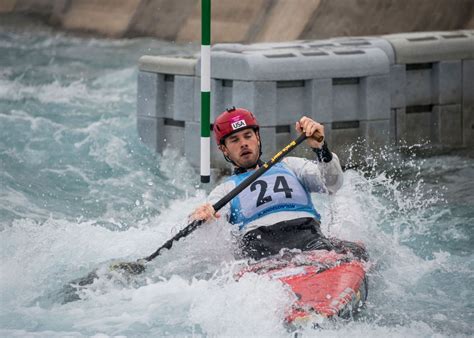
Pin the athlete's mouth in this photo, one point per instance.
(245, 153)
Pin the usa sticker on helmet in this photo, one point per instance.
(238, 124)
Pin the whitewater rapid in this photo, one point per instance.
(79, 190)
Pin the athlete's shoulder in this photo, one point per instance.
(221, 189)
(230, 180)
(294, 163)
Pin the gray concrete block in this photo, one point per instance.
(221, 96)
(434, 83)
(414, 127)
(276, 138)
(437, 125)
(343, 138)
(398, 81)
(468, 124)
(374, 98)
(219, 99)
(289, 81)
(269, 142)
(398, 118)
(346, 101)
(192, 132)
(168, 83)
(397, 72)
(260, 97)
(393, 127)
(355, 144)
(364, 42)
(158, 134)
(174, 65)
(468, 82)
(320, 95)
(377, 133)
(343, 142)
(468, 102)
(298, 64)
(447, 82)
(418, 85)
(192, 147)
(422, 47)
(349, 84)
(291, 101)
(239, 48)
(173, 136)
(400, 125)
(183, 107)
(151, 132)
(197, 99)
(283, 136)
(156, 95)
(447, 125)
(149, 95)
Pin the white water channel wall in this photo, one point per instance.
(397, 89)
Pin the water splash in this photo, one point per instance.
(79, 190)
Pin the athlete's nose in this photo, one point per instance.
(243, 144)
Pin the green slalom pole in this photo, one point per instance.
(205, 91)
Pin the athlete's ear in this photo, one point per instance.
(223, 148)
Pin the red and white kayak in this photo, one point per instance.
(325, 283)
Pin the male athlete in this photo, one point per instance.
(275, 211)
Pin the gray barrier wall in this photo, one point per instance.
(438, 78)
(395, 89)
(166, 88)
(344, 89)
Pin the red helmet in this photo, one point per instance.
(231, 121)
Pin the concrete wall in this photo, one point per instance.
(110, 17)
(250, 20)
(369, 17)
(369, 92)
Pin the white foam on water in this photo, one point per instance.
(182, 293)
(188, 290)
(253, 306)
(111, 87)
(45, 256)
(118, 81)
(35, 123)
(20, 204)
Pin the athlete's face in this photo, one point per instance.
(243, 148)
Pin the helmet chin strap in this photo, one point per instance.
(240, 170)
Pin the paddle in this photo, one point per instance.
(138, 266)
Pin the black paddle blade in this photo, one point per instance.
(69, 292)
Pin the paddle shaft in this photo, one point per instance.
(227, 198)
